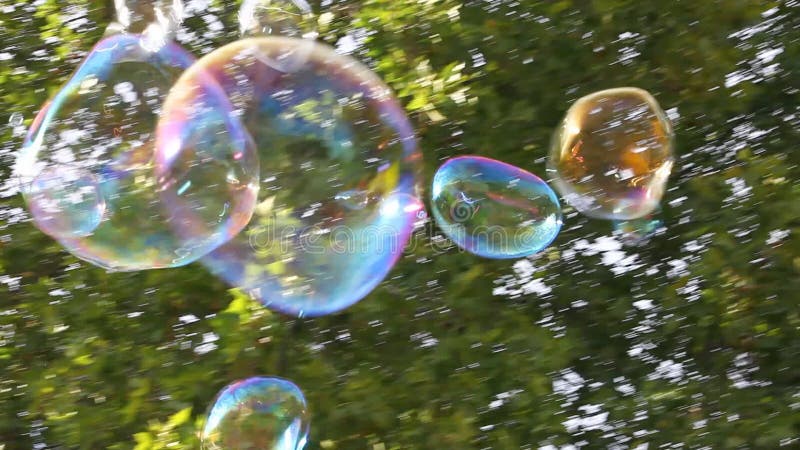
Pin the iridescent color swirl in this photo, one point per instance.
(257, 413)
(338, 158)
(100, 128)
(494, 209)
(612, 154)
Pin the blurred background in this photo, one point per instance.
(689, 340)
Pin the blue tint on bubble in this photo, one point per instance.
(494, 209)
(257, 413)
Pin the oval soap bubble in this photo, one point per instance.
(494, 209)
(101, 124)
(337, 194)
(257, 413)
(612, 154)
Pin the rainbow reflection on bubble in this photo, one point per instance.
(494, 209)
(337, 197)
(612, 154)
(206, 165)
(100, 125)
(257, 413)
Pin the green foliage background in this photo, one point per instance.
(93, 360)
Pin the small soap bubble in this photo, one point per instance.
(339, 171)
(612, 154)
(102, 122)
(289, 18)
(65, 202)
(494, 209)
(637, 232)
(257, 413)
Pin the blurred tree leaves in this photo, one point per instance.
(452, 351)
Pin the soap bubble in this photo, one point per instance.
(337, 200)
(612, 154)
(257, 413)
(65, 202)
(638, 232)
(206, 165)
(494, 209)
(101, 125)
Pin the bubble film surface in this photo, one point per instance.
(494, 209)
(257, 413)
(95, 141)
(612, 154)
(338, 161)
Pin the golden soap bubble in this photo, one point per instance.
(612, 154)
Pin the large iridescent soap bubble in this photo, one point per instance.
(87, 167)
(494, 209)
(338, 158)
(612, 154)
(257, 413)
